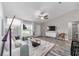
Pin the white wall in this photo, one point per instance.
(61, 22)
(1, 10)
(1, 16)
(0, 27)
(37, 29)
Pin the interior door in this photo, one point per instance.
(75, 39)
(75, 31)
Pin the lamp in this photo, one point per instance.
(5, 38)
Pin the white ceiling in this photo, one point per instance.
(26, 10)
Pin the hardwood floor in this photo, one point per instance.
(62, 48)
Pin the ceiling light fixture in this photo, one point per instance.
(41, 15)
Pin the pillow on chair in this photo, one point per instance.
(15, 44)
(7, 44)
(18, 43)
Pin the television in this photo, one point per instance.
(52, 28)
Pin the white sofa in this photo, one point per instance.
(15, 50)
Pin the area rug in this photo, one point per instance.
(42, 49)
(59, 51)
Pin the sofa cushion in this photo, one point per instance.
(7, 45)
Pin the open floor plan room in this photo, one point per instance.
(39, 28)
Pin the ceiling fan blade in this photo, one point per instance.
(46, 17)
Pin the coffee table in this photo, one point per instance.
(42, 49)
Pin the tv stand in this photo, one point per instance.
(51, 34)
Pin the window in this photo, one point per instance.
(16, 22)
(15, 28)
(27, 30)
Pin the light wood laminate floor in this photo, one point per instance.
(62, 48)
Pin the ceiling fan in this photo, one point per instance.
(41, 15)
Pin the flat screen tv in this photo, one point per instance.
(52, 28)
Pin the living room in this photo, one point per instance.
(47, 26)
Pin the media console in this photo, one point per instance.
(51, 34)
